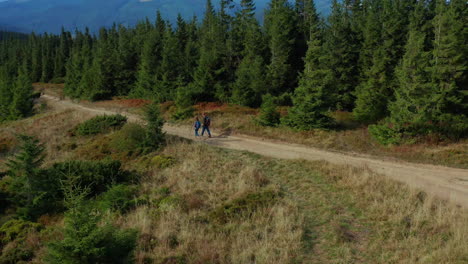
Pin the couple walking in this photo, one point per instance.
(206, 125)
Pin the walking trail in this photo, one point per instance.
(447, 183)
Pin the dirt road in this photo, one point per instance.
(447, 183)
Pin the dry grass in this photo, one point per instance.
(51, 128)
(351, 139)
(183, 226)
(322, 213)
(326, 214)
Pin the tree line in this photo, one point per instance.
(399, 64)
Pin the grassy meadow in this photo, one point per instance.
(199, 204)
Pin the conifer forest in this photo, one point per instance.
(400, 66)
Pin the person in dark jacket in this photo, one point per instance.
(206, 125)
(197, 126)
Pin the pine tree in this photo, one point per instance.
(280, 28)
(5, 94)
(47, 58)
(269, 115)
(22, 102)
(250, 83)
(191, 52)
(145, 80)
(150, 59)
(209, 72)
(61, 55)
(412, 105)
(313, 98)
(85, 239)
(36, 58)
(155, 137)
(76, 64)
(170, 68)
(449, 68)
(342, 46)
(372, 95)
(24, 170)
(126, 61)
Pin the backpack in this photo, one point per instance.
(206, 121)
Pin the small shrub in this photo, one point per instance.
(96, 175)
(385, 135)
(269, 115)
(15, 243)
(16, 229)
(120, 198)
(246, 204)
(129, 139)
(100, 124)
(162, 161)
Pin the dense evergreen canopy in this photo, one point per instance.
(398, 62)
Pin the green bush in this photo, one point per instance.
(98, 176)
(162, 161)
(129, 139)
(16, 229)
(269, 116)
(85, 240)
(385, 135)
(100, 124)
(247, 204)
(120, 198)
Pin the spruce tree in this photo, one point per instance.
(313, 98)
(150, 59)
(6, 94)
(170, 68)
(22, 102)
(155, 137)
(413, 96)
(373, 93)
(449, 68)
(269, 115)
(145, 77)
(47, 58)
(24, 170)
(126, 61)
(342, 46)
(209, 72)
(36, 58)
(280, 26)
(250, 83)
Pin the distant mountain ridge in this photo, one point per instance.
(50, 15)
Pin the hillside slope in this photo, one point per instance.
(50, 15)
(446, 183)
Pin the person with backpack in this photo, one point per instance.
(206, 125)
(197, 126)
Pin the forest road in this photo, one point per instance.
(450, 184)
